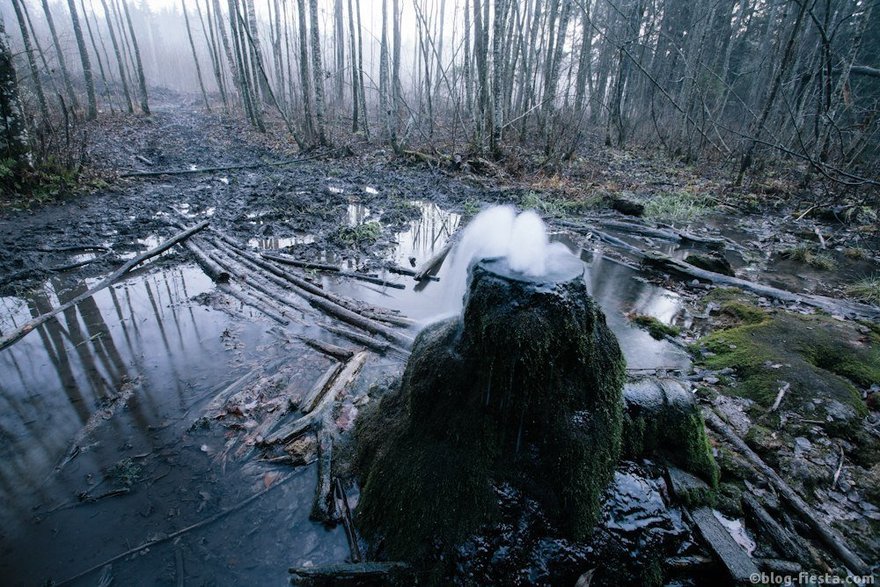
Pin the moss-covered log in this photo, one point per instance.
(525, 387)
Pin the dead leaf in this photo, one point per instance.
(269, 478)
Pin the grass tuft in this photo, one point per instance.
(676, 207)
(811, 257)
(866, 289)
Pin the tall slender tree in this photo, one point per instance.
(32, 62)
(120, 59)
(59, 53)
(142, 81)
(86, 62)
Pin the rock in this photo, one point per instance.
(661, 418)
(688, 489)
(626, 206)
(715, 263)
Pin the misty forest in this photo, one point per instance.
(439, 292)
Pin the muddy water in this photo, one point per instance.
(99, 449)
(122, 377)
(617, 288)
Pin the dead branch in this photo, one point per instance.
(125, 268)
(829, 536)
(323, 508)
(286, 260)
(338, 386)
(347, 523)
(434, 262)
(198, 525)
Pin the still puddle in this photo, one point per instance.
(618, 289)
(134, 365)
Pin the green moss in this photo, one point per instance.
(655, 327)
(743, 312)
(821, 358)
(725, 294)
(670, 425)
(527, 393)
(542, 204)
(811, 257)
(126, 472)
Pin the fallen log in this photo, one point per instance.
(250, 300)
(323, 507)
(766, 526)
(408, 272)
(331, 350)
(830, 305)
(829, 536)
(321, 299)
(208, 265)
(125, 268)
(379, 346)
(316, 393)
(156, 541)
(434, 262)
(261, 285)
(738, 563)
(285, 260)
(339, 384)
(347, 522)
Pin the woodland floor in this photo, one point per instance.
(362, 209)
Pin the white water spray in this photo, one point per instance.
(499, 232)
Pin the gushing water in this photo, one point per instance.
(498, 232)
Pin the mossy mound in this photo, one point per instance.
(661, 418)
(822, 359)
(525, 388)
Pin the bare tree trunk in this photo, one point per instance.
(466, 61)
(230, 58)
(305, 76)
(62, 63)
(355, 91)
(86, 63)
(120, 60)
(385, 98)
(584, 72)
(241, 57)
(32, 63)
(85, 17)
(360, 67)
(256, 49)
(142, 82)
(498, 77)
(192, 46)
(396, 89)
(278, 55)
(746, 160)
(208, 32)
(14, 142)
(339, 42)
(318, 73)
(481, 50)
